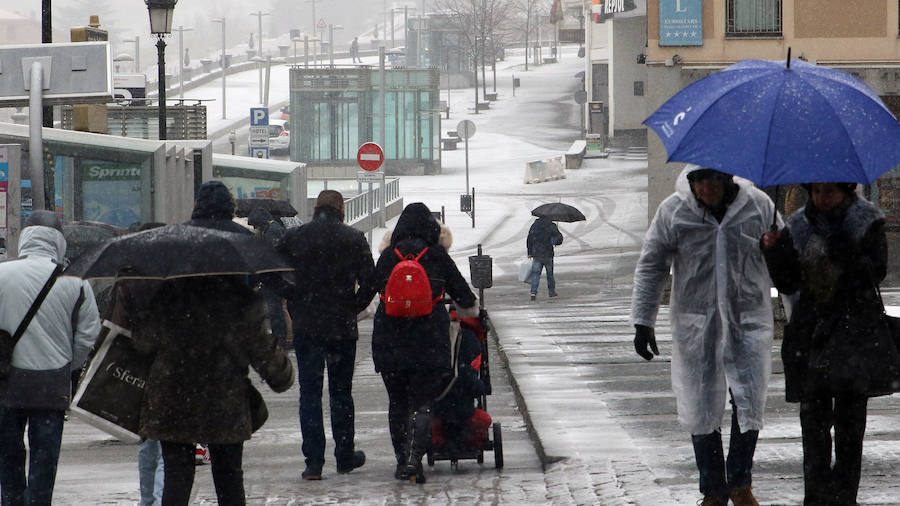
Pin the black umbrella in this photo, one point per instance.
(274, 206)
(177, 251)
(557, 211)
(84, 235)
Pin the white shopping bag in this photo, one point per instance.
(525, 270)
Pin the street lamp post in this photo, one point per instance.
(259, 15)
(331, 29)
(224, 69)
(181, 31)
(313, 2)
(161, 12)
(137, 53)
(259, 61)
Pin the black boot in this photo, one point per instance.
(418, 442)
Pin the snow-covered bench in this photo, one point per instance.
(575, 154)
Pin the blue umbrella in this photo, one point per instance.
(778, 124)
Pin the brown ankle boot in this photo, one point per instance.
(711, 500)
(743, 496)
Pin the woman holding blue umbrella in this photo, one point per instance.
(837, 349)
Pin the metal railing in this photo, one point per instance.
(357, 208)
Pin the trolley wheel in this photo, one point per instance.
(430, 459)
(480, 457)
(498, 446)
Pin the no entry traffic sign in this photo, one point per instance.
(370, 156)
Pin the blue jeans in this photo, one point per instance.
(45, 429)
(312, 358)
(719, 477)
(151, 471)
(536, 265)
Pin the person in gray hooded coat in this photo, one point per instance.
(55, 343)
(707, 233)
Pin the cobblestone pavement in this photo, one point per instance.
(96, 469)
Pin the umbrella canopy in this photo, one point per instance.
(177, 251)
(274, 206)
(557, 211)
(84, 235)
(775, 124)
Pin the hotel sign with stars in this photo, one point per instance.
(680, 22)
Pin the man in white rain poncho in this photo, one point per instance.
(708, 232)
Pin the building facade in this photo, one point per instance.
(689, 39)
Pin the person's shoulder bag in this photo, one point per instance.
(8, 341)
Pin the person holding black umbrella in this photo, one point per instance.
(706, 235)
(542, 237)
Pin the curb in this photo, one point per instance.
(523, 405)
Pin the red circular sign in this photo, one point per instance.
(370, 156)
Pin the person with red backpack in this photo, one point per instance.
(410, 339)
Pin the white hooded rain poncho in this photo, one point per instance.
(721, 308)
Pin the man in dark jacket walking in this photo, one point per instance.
(542, 237)
(334, 279)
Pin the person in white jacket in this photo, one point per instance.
(708, 234)
(56, 343)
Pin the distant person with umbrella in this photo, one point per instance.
(543, 236)
(54, 344)
(334, 280)
(721, 317)
(837, 349)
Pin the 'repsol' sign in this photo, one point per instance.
(601, 10)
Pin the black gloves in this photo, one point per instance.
(643, 336)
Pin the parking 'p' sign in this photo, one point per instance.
(370, 156)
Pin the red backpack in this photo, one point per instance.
(408, 290)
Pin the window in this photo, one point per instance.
(753, 18)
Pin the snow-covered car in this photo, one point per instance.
(279, 136)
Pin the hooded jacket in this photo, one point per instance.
(214, 208)
(62, 332)
(542, 237)
(423, 342)
(721, 307)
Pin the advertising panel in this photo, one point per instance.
(111, 192)
(680, 22)
(248, 188)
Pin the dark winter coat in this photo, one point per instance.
(542, 237)
(205, 332)
(214, 209)
(334, 276)
(836, 341)
(459, 403)
(266, 226)
(423, 342)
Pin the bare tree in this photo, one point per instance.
(476, 21)
(527, 9)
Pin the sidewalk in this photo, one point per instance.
(602, 418)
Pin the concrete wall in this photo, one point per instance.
(626, 109)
